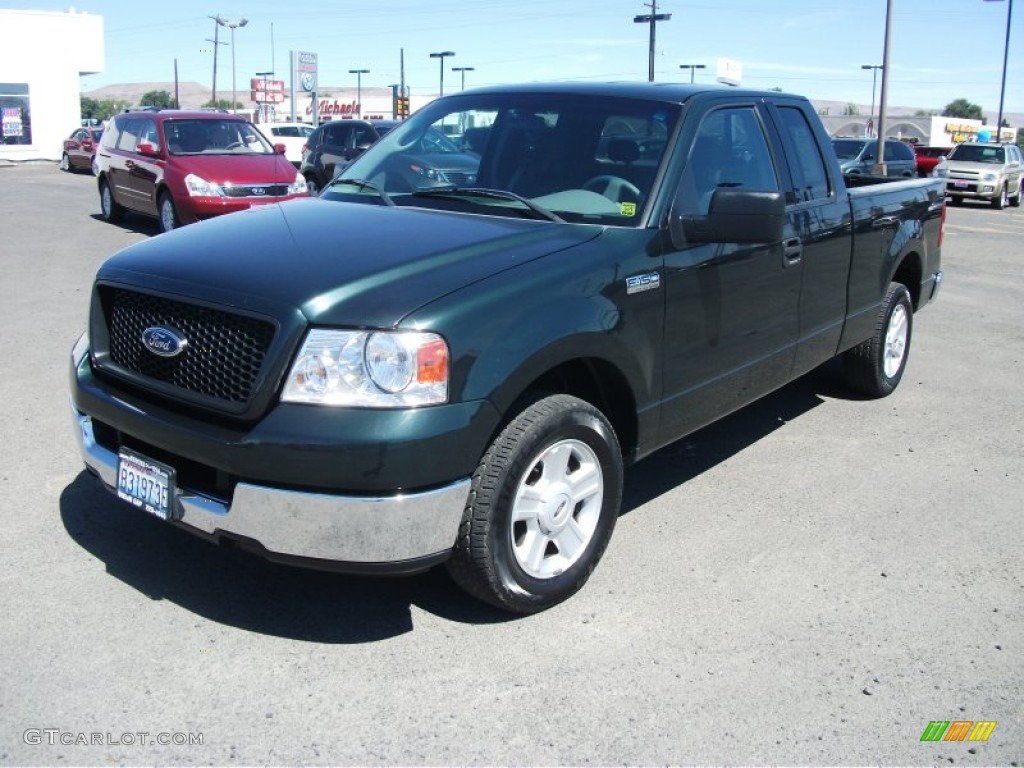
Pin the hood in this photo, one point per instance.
(237, 169)
(969, 165)
(346, 264)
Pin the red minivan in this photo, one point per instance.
(180, 166)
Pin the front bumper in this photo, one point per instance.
(193, 209)
(366, 530)
(403, 532)
(973, 189)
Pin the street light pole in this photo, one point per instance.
(874, 76)
(463, 70)
(651, 18)
(692, 67)
(232, 24)
(442, 55)
(359, 87)
(216, 44)
(1006, 55)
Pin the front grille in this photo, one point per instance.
(256, 190)
(458, 177)
(221, 359)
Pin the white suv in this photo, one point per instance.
(992, 172)
(292, 135)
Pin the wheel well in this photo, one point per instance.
(909, 273)
(602, 385)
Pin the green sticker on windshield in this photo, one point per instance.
(627, 209)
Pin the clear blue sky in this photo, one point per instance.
(941, 49)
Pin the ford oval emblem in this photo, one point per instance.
(163, 341)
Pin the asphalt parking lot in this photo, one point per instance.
(810, 581)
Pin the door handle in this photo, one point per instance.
(792, 251)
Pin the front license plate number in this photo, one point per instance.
(960, 184)
(146, 484)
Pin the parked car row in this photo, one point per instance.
(182, 166)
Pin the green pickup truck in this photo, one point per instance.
(433, 364)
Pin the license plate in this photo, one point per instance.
(146, 484)
(960, 184)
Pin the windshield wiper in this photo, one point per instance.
(364, 184)
(498, 194)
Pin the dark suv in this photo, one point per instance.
(181, 166)
(333, 144)
(857, 156)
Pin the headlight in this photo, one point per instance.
(298, 187)
(989, 177)
(197, 186)
(370, 369)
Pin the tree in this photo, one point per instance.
(851, 110)
(158, 99)
(101, 110)
(964, 109)
(222, 104)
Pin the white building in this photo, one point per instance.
(41, 58)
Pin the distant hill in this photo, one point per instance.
(190, 94)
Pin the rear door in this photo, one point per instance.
(819, 221)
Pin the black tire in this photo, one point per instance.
(312, 185)
(167, 213)
(875, 366)
(110, 209)
(1015, 200)
(65, 163)
(956, 200)
(549, 483)
(1000, 202)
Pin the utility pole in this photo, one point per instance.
(651, 18)
(883, 100)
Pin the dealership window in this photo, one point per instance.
(16, 113)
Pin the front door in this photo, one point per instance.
(731, 309)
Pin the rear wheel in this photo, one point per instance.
(168, 215)
(1015, 200)
(110, 209)
(65, 163)
(875, 366)
(542, 507)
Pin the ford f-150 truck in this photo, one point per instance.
(422, 367)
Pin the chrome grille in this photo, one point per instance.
(256, 190)
(221, 360)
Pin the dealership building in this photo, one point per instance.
(41, 59)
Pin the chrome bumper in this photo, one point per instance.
(343, 529)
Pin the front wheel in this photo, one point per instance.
(168, 215)
(875, 366)
(1004, 197)
(542, 507)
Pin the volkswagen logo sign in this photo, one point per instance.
(163, 341)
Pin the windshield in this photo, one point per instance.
(215, 137)
(978, 153)
(847, 149)
(544, 156)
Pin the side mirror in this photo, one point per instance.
(280, 149)
(734, 216)
(147, 149)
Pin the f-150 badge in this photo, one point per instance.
(645, 282)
